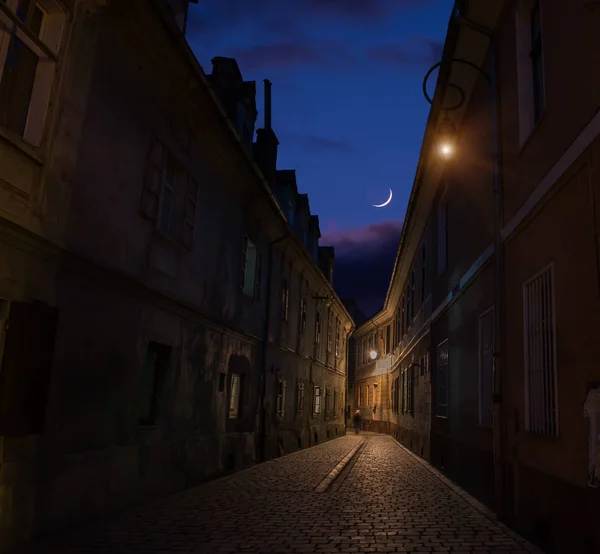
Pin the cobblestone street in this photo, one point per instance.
(385, 500)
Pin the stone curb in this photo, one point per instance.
(326, 483)
(256, 465)
(473, 502)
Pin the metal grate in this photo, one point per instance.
(540, 354)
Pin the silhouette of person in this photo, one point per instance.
(356, 419)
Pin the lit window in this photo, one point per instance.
(251, 269)
(235, 395)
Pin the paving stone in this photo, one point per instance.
(388, 501)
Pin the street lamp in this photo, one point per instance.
(446, 151)
(373, 354)
(446, 138)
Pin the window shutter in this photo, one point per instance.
(153, 181)
(26, 368)
(258, 275)
(244, 254)
(283, 389)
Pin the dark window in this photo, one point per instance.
(251, 269)
(303, 309)
(300, 398)
(537, 63)
(236, 395)
(285, 300)
(412, 295)
(153, 375)
(423, 274)
(337, 337)
(442, 234)
(388, 339)
(329, 331)
(442, 380)
(403, 317)
(410, 388)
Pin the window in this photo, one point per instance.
(537, 62)
(318, 327)
(540, 354)
(300, 398)
(442, 237)
(395, 395)
(423, 274)
(190, 214)
(403, 391)
(303, 309)
(403, 317)
(374, 395)
(412, 295)
(337, 337)
(388, 339)
(157, 362)
(235, 396)
(368, 395)
(442, 380)
(251, 269)
(327, 403)
(358, 393)
(169, 195)
(29, 49)
(329, 331)
(285, 300)
(316, 400)
(410, 389)
(422, 366)
(408, 308)
(334, 404)
(281, 386)
(486, 366)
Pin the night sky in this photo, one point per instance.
(347, 108)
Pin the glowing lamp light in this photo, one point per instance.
(373, 354)
(446, 139)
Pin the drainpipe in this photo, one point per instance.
(499, 301)
(265, 348)
(346, 399)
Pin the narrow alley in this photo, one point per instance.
(385, 499)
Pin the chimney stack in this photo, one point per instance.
(265, 147)
(267, 104)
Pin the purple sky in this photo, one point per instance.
(347, 108)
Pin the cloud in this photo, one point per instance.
(421, 51)
(364, 262)
(293, 53)
(316, 142)
(276, 16)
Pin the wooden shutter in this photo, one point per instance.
(26, 367)
(153, 180)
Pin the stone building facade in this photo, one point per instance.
(145, 262)
(541, 474)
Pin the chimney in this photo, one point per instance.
(265, 147)
(267, 104)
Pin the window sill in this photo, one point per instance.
(19, 143)
(163, 237)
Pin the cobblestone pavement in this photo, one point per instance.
(385, 501)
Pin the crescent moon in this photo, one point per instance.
(385, 203)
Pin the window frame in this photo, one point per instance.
(281, 398)
(235, 401)
(47, 47)
(446, 365)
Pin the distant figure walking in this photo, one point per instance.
(356, 419)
